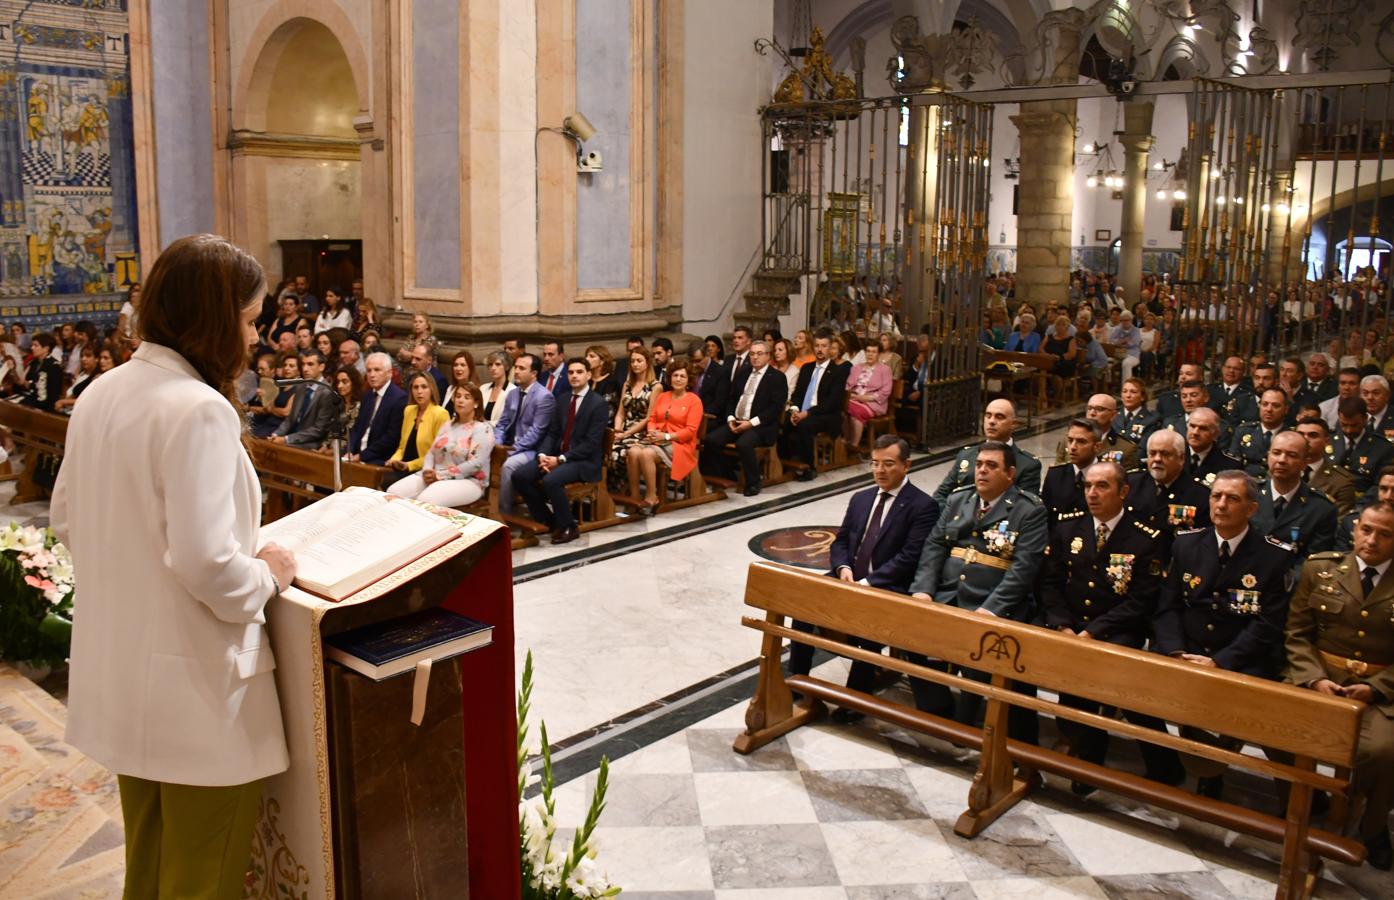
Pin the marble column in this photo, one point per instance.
(1045, 213)
(1137, 141)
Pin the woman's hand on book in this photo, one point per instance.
(282, 563)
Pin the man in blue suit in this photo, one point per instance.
(523, 425)
(378, 428)
(879, 545)
(573, 451)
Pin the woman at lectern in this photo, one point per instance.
(171, 683)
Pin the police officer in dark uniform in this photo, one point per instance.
(1102, 573)
(1193, 397)
(1290, 510)
(984, 555)
(1163, 496)
(1357, 449)
(1252, 439)
(1230, 398)
(1063, 490)
(1169, 402)
(1101, 411)
(999, 421)
(1205, 456)
(1318, 385)
(1225, 599)
(1137, 422)
(1374, 390)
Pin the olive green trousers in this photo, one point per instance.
(187, 841)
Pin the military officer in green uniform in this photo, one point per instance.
(1230, 397)
(1169, 402)
(1193, 396)
(1289, 510)
(1103, 569)
(1340, 641)
(999, 421)
(1102, 411)
(983, 555)
(1355, 447)
(1384, 491)
(1252, 439)
(1324, 475)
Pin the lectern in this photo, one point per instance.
(347, 818)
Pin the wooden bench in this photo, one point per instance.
(1310, 727)
(292, 477)
(883, 424)
(1033, 372)
(38, 434)
(592, 505)
(692, 490)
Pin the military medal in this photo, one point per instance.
(963, 465)
(1000, 541)
(1209, 479)
(1248, 581)
(1192, 580)
(1076, 545)
(1120, 569)
(1112, 456)
(1245, 603)
(1246, 440)
(1364, 459)
(1178, 514)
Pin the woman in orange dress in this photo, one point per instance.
(675, 417)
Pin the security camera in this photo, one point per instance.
(589, 162)
(577, 124)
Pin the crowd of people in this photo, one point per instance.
(1244, 523)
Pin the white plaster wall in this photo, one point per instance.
(312, 199)
(725, 83)
(183, 151)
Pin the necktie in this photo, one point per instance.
(747, 396)
(570, 423)
(812, 393)
(861, 565)
(1224, 554)
(1079, 482)
(1367, 579)
(552, 380)
(1278, 506)
(1306, 474)
(366, 413)
(1101, 536)
(1195, 460)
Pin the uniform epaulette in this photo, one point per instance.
(1327, 554)
(1254, 422)
(1058, 465)
(968, 447)
(1228, 455)
(1148, 530)
(1189, 531)
(1029, 497)
(970, 486)
(1072, 514)
(1277, 543)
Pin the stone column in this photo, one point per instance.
(1045, 213)
(1137, 141)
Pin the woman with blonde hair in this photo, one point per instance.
(421, 422)
(421, 333)
(455, 471)
(803, 348)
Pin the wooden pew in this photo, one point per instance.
(1034, 371)
(883, 424)
(693, 490)
(1311, 727)
(38, 434)
(593, 505)
(290, 476)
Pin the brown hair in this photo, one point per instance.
(475, 393)
(675, 366)
(431, 382)
(355, 382)
(469, 359)
(649, 376)
(193, 302)
(607, 360)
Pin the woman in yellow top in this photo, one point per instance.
(421, 421)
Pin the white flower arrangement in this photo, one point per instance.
(36, 595)
(549, 874)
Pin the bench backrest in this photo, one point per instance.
(296, 464)
(1033, 360)
(1266, 713)
(34, 426)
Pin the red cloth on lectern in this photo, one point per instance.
(491, 726)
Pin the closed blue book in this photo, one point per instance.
(389, 648)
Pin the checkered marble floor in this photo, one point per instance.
(866, 813)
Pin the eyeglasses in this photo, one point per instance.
(1098, 408)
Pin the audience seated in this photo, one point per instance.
(45, 374)
(87, 370)
(313, 407)
(497, 388)
(454, 471)
(553, 375)
(377, 432)
(422, 420)
(461, 374)
(349, 385)
(670, 439)
(423, 359)
(632, 418)
(523, 427)
(333, 313)
(709, 380)
(421, 332)
(815, 406)
(868, 392)
(752, 418)
(605, 379)
(572, 451)
(275, 400)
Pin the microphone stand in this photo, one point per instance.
(336, 424)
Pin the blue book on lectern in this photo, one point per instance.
(389, 648)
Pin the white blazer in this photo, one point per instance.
(171, 670)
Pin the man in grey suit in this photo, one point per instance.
(526, 416)
(312, 409)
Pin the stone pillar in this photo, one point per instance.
(1137, 141)
(1045, 213)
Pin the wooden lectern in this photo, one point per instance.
(373, 806)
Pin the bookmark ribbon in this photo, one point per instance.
(420, 685)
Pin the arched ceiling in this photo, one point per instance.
(312, 87)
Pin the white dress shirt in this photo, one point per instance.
(748, 397)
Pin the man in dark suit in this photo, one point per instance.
(423, 359)
(1204, 456)
(878, 545)
(1103, 568)
(1169, 402)
(1063, 491)
(573, 451)
(1289, 509)
(816, 405)
(752, 419)
(1318, 385)
(1164, 496)
(1230, 398)
(1225, 601)
(738, 364)
(378, 428)
(662, 350)
(313, 408)
(709, 383)
(553, 376)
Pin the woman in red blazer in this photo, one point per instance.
(674, 420)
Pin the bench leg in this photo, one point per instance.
(26, 489)
(995, 789)
(772, 713)
(1300, 870)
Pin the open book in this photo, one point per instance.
(349, 540)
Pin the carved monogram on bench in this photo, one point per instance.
(1000, 646)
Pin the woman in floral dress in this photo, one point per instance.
(632, 417)
(455, 472)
